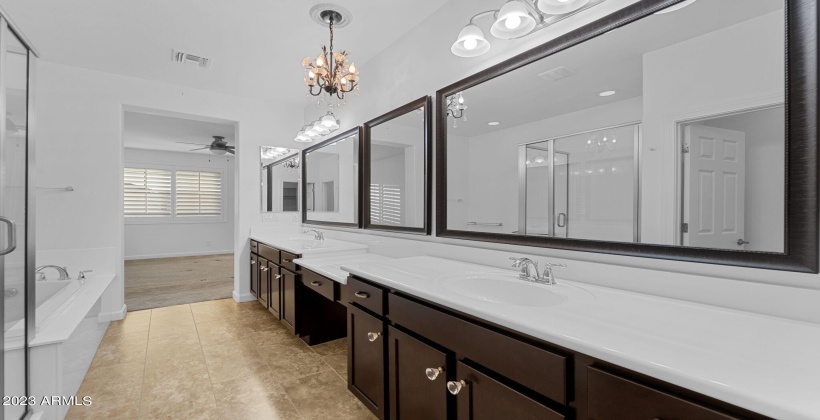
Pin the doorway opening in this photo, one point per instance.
(178, 208)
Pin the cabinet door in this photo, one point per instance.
(264, 281)
(254, 274)
(365, 359)
(275, 303)
(288, 298)
(418, 380)
(479, 397)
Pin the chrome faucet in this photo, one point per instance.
(319, 236)
(62, 271)
(524, 264)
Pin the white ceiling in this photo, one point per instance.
(613, 61)
(157, 132)
(256, 45)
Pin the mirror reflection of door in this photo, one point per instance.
(731, 191)
(330, 195)
(310, 196)
(290, 196)
(560, 184)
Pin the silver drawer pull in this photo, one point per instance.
(316, 283)
(363, 295)
(287, 261)
(253, 262)
(263, 268)
(432, 373)
(455, 386)
(278, 276)
(373, 336)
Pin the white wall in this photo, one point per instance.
(182, 238)
(384, 88)
(728, 70)
(78, 142)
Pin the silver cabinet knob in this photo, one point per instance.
(741, 242)
(316, 283)
(373, 336)
(432, 373)
(263, 268)
(455, 386)
(253, 262)
(278, 276)
(362, 295)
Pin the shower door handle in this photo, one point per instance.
(12, 235)
(562, 220)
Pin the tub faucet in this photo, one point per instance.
(60, 270)
(319, 236)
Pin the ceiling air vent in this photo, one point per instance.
(557, 73)
(187, 58)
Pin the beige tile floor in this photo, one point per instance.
(214, 360)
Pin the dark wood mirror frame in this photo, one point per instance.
(801, 183)
(358, 223)
(426, 104)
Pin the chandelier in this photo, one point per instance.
(601, 143)
(456, 108)
(331, 73)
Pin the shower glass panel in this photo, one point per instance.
(13, 183)
(584, 185)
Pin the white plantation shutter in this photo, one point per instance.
(198, 193)
(385, 204)
(147, 192)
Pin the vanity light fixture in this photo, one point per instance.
(601, 143)
(607, 93)
(456, 108)
(331, 73)
(677, 6)
(316, 129)
(270, 153)
(515, 19)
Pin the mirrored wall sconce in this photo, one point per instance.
(516, 19)
(456, 108)
(291, 164)
(317, 129)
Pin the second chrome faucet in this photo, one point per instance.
(547, 277)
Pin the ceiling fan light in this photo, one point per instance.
(560, 7)
(513, 21)
(470, 42)
(219, 152)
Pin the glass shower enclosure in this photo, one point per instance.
(16, 225)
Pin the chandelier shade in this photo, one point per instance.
(514, 20)
(470, 42)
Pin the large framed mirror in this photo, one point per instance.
(682, 130)
(330, 181)
(396, 162)
(280, 178)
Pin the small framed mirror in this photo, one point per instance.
(396, 169)
(280, 179)
(682, 130)
(331, 172)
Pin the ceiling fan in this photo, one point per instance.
(218, 147)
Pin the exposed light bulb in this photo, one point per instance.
(460, 99)
(352, 68)
(512, 22)
(470, 43)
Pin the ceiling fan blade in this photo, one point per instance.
(196, 144)
(201, 148)
(230, 150)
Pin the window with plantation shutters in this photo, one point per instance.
(385, 204)
(198, 193)
(147, 192)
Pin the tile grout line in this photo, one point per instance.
(144, 362)
(205, 359)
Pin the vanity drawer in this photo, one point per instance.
(535, 368)
(614, 397)
(287, 261)
(271, 254)
(321, 285)
(365, 295)
(254, 247)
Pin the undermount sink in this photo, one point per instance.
(508, 289)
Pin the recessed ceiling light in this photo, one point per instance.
(607, 93)
(493, 123)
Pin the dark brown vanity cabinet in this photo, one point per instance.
(365, 359)
(436, 363)
(275, 289)
(274, 282)
(288, 301)
(263, 294)
(254, 275)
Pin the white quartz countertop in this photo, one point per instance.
(330, 267)
(305, 245)
(765, 364)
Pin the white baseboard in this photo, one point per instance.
(243, 298)
(113, 316)
(176, 254)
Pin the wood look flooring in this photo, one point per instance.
(214, 360)
(162, 282)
